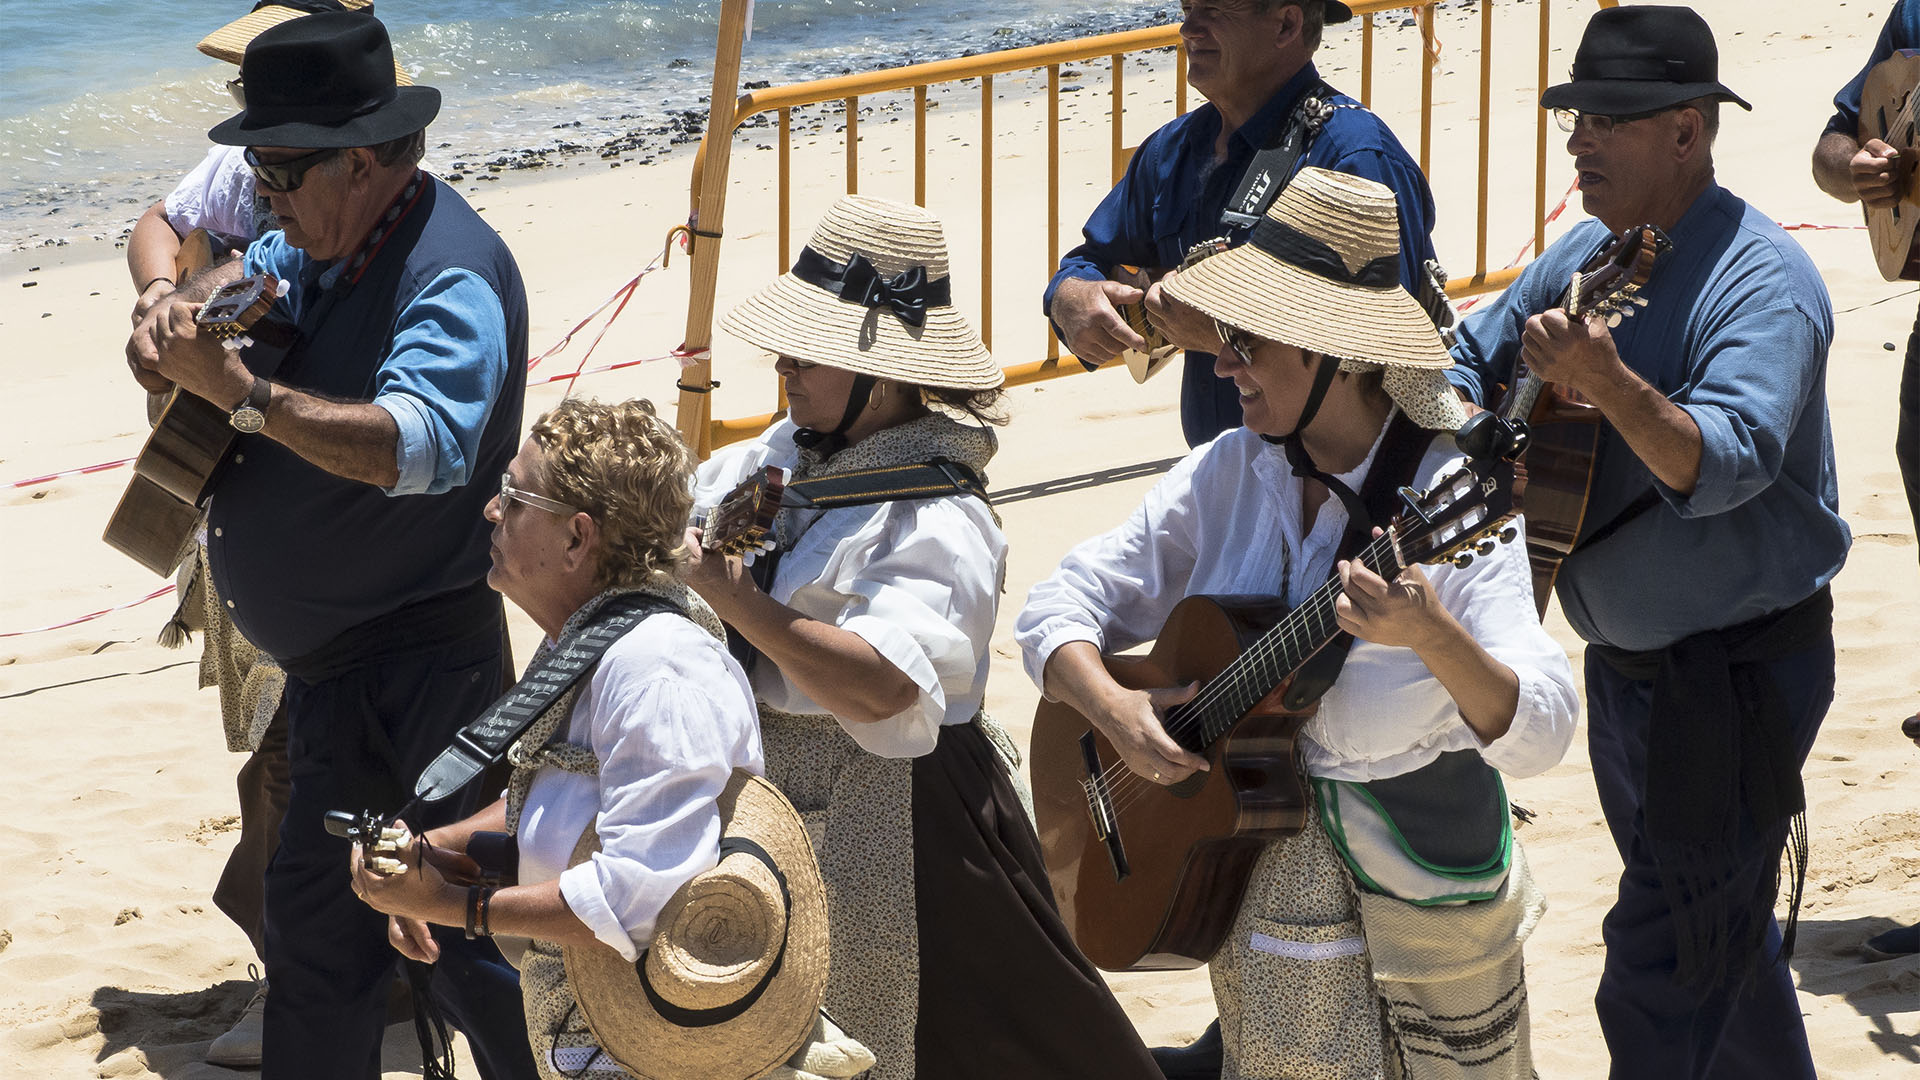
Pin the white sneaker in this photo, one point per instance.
(240, 1046)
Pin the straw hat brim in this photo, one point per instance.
(794, 318)
(229, 43)
(775, 1026)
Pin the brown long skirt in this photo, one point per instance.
(1004, 992)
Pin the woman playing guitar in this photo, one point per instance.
(1339, 375)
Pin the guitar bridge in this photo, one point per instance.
(1106, 822)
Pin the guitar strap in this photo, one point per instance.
(1395, 466)
(485, 740)
(1273, 166)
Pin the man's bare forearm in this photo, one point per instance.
(204, 284)
(355, 440)
(1832, 165)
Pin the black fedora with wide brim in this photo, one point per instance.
(325, 81)
(1640, 59)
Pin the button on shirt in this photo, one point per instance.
(1228, 520)
(1902, 31)
(1172, 193)
(442, 374)
(668, 714)
(918, 579)
(1736, 333)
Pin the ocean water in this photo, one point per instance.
(103, 105)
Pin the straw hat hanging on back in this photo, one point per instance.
(731, 985)
(230, 42)
(1321, 272)
(871, 293)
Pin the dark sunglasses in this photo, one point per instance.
(288, 175)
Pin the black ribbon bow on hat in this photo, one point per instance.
(856, 281)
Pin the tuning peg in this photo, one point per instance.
(1463, 560)
(1613, 319)
(1641, 301)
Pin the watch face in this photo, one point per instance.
(247, 420)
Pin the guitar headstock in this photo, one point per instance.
(1470, 509)
(742, 523)
(231, 312)
(1609, 285)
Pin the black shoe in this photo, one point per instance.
(1197, 1061)
(1892, 945)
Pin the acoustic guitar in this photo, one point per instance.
(1145, 364)
(1887, 107)
(174, 473)
(1150, 876)
(1554, 478)
(742, 522)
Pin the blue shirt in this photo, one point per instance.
(1173, 191)
(441, 377)
(1902, 31)
(1735, 332)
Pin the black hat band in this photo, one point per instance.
(1316, 257)
(720, 1014)
(856, 281)
(1641, 68)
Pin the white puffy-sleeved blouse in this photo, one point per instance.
(919, 580)
(669, 715)
(1228, 520)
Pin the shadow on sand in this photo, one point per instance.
(1828, 961)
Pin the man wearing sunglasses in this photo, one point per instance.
(345, 531)
(1700, 575)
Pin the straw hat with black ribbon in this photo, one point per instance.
(230, 42)
(1321, 272)
(731, 985)
(871, 293)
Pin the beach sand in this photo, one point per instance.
(120, 812)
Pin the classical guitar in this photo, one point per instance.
(742, 522)
(174, 473)
(1887, 108)
(1149, 876)
(1554, 478)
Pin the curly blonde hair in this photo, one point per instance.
(629, 470)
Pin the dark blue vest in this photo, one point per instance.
(305, 556)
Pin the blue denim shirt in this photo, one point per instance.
(1173, 191)
(1902, 31)
(1735, 332)
(441, 378)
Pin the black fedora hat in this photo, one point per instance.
(1337, 12)
(325, 81)
(1642, 58)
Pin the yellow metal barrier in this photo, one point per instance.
(728, 112)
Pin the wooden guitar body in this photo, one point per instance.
(1188, 849)
(1552, 482)
(1887, 108)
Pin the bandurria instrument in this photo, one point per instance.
(1554, 478)
(1150, 876)
(1887, 108)
(174, 473)
(742, 523)
(1145, 365)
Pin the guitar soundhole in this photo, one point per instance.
(1188, 788)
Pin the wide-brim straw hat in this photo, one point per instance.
(729, 986)
(1321, 272)
(229, 43)
(831, 309)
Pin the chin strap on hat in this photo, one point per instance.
(1297, 455)
(829, 443)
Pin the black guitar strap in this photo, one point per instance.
(486, 739)
(1273, 166)
(1395, 465)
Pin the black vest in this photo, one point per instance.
(305, 556)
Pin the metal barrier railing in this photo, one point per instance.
(729, 112)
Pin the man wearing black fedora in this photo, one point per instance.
(1700, 577)
(346, 535)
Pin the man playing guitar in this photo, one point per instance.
(1700, 576)
(1213, 171)
(1879, 176)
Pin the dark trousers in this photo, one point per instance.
(1654, 1027)
(1209, 404)
(263, 788)
(358, 741)
(1906, 441)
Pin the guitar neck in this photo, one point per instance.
(1275, 656)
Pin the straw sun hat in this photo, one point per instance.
(871, 293)
(731, 984)
(230, 42)
(1321, 272)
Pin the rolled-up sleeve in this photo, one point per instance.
(1745, 393)
(664, 762)
(1120, 230)
(441, 378)
(1493, 599)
